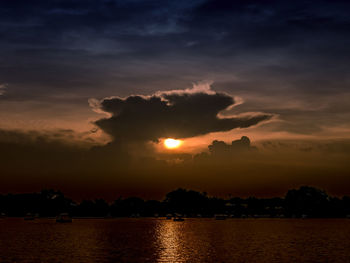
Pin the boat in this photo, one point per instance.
(220, 217)
(29, 216)
(135, 215)
(63, 218)
(169, 216)
(178, 218)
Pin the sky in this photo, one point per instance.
(256, 90)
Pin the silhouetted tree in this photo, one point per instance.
(308, 201)
(186, 201)
(305, 201)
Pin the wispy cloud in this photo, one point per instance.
(3, 88)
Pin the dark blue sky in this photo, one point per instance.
(289, 58)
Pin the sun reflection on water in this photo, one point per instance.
(169, 235)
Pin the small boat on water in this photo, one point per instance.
(220, 217)
(29, 216)
(135, 215)
(178, 218)
(63, 218)
(169, 216)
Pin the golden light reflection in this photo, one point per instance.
(188, 241)
(172, 143)
(170, 240)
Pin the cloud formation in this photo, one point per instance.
(32, 159)
(2, 89)
(176, 114)
(222, 152)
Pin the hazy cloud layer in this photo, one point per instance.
(31, 160)
(175, 114)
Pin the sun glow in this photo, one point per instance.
(172, 143)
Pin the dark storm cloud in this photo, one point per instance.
(177, 114)
(236, 146)
(223, 152)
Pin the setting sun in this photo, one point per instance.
(172, 143)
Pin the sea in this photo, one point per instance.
(160, 240)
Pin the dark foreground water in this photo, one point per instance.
(160, 240)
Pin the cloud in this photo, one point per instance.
(26, 152)
(243, 144)
(48, 138)
(2, 89)
(226, 153)
(177, 114)
(56, 156)
(324, 147)
(37, 159)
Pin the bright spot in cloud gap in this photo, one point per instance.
(172, 143)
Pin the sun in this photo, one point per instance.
(172, 143)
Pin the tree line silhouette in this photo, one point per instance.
(303, 202)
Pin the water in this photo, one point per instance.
(160, 240)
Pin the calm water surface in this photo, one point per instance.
(160, 240)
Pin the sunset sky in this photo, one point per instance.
(257, 93)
